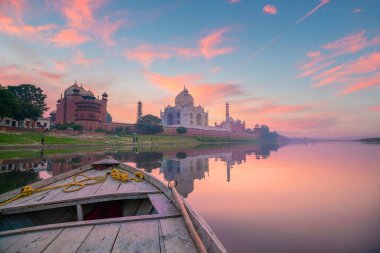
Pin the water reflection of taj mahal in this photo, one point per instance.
(196, 166)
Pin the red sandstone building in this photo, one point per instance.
(80, 106)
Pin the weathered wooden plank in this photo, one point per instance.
(8, 241)
(58, 194)
(88, 190)
(130, 207)
(148, 178)
(162, 204)
(145, 207)
(109, 186)
(100, 239)
(132, 186)
(161, 238)
(85, 223)
(79, 212)
(35, 197)
(69, 240)
(136, 237)
(175, 236)
(81, 200)
(34, 242)
(45, 182)
(43, 196)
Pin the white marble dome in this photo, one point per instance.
(184, 98)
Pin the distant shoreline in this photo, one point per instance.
(371, 140)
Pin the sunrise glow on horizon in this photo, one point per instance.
(304, 68)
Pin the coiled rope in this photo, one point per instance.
(77, 184)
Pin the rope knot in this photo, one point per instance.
(27, 190)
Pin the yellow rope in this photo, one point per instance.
(77, 185)
(123, 176)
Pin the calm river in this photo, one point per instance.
(322, 197)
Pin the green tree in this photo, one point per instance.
(149, 124)
(181, 130)
(9, 105)
(31, 99)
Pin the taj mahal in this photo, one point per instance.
(184, 112)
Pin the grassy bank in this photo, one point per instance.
(34, 139)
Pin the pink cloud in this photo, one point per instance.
(146, 54)
(314, 54)
(270, 9)
(233, 1)
(171, 83)
(69, 38)
(313, 68)
(323, 2)
(59, 65)
(208, 45)
(187, 52)
(50, 75)
(81, 22)
(79, 13)
(341, 73)
(12, 22)
(354, 74)
(49, 81)
(362, 83)
(200, 89)
(352, 43)
(81, 60)
(374, 108)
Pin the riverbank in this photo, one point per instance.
(34, 140)
(30, 140)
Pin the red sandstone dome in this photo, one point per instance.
(184, 98)
(78, 90)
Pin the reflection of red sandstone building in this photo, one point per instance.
(81, 107)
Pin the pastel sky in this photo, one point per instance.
(302, 67)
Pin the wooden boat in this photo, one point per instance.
(91, 209)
